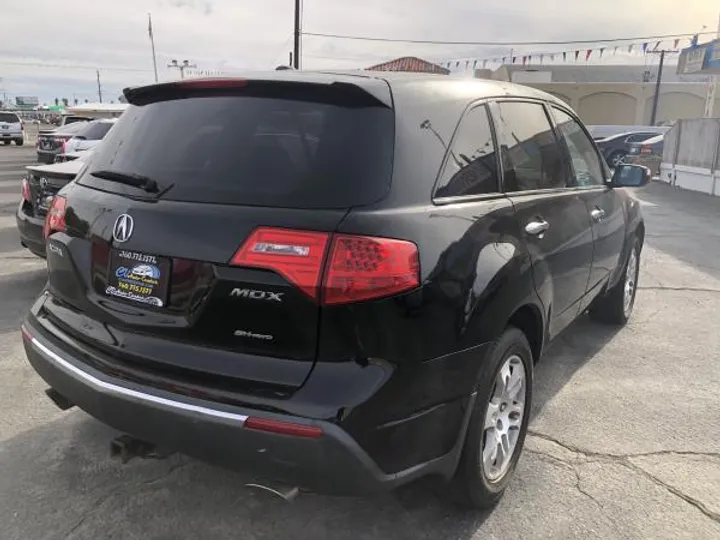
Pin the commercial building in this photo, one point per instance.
(601, 94)
(607, 94)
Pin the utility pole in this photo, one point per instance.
(152, 46)
(296, 44)
(181, 67)
(712, 87)
(658, 82)
(97, 73)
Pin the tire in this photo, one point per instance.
(6, 143)
(480, 483)
(19, 142)
(614, 307)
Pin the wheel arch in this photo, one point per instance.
(528, 319)
(640, 232)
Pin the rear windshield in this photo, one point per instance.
(74, 119)
(10, 118)
(252, 150)
(72, 129)
(95, 131)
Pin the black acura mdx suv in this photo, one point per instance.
(339, 281)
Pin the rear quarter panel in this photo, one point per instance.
(475, 272)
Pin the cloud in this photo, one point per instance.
(200, 5)
(73, 38)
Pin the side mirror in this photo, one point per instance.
(630, 176)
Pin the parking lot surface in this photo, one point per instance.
(624, 441)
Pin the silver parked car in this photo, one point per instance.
(90, 135)
(11, 128)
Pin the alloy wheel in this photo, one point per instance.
(630, 282)
(503, 418)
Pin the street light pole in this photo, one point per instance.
(181, 67)
(97, 73)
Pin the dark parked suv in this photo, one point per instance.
(338, 281)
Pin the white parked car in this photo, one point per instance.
(11, 128)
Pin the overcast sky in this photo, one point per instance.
(51, 48)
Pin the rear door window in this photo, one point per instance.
(9, 118)
(531, 156)
(253, 150)
(471, 167)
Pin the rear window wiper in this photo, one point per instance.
(130, 179)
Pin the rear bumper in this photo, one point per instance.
(31, 232)
(333, 463)
(12, 135)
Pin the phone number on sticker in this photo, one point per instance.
(140, 257)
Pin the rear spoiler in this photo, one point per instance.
(369, 91)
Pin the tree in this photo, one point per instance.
(57, 102)
(65, 101)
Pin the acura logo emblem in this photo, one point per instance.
(123, 228)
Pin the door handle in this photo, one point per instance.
(597, 214)
(537, 227)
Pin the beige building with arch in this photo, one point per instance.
(613, 94)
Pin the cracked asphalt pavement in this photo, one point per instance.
(624, 440)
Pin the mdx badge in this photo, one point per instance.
(257, 295)
(123, 228)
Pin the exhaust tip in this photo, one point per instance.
(60, 401)
(286, 493)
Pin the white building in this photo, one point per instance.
(610, 94)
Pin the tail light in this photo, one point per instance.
(295, 255)
(25, 189)
(55, 219)
(645, 150)
(357, 267)
(361, 268)
(63, 146)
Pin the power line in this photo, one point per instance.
(502, 43)
(71, 66)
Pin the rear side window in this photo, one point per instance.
(10, 118)
(530, 153)
(471, 167)
(253, 150)
(95, 131)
